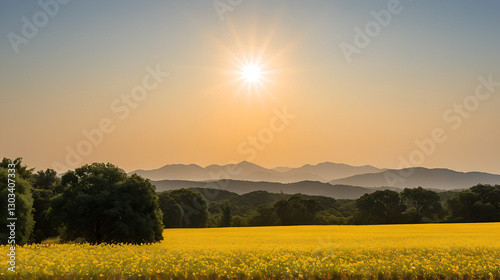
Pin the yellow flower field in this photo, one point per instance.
(432, 251)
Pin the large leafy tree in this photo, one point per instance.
(477, 204)
(488, 194)
(22, 171)
(225, 214)
(194, 207)
(425, 202)
(297, 210)
(379, 207)
(101, 204)
(45, 187)
(264, 216)
(21, 176)
(172, 211)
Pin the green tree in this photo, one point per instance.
(172, 211)
(20, 176)
(238, 221)
(460, 206)
(101, 204)
(22, 171)
(425, 202)
(45, 187)
(194, 207)
(225, 216)
(263, 216)
(488, 194)
(470, 206)
(379, 207)
(297, 210)
(283, 209)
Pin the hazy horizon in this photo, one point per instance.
(299, 166)
(275, 83)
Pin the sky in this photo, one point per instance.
(142, 84)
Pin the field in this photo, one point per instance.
(433, 251)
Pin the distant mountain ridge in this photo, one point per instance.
(192, 175)
(244, 187)
(246, 171)
(437, 178)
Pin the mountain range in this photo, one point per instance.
(327, 179)
(246, 171)
(436, 178)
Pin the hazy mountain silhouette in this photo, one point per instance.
(327, 170)
(243, 187)
(247, 171)
(438, 178)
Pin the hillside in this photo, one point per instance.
(243, 187)
(246, 171)
(439, 179)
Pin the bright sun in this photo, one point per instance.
(250, 67)
(251, 73)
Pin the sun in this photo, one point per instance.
(251, 64)
(251, 73)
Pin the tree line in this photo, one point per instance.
(100, 203)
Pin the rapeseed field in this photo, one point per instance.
(426, 251)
